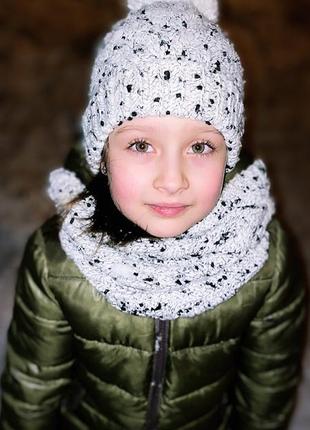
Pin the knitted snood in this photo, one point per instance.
(175, 277)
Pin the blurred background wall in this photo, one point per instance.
(46, 51)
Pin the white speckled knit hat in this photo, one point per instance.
(165, 58)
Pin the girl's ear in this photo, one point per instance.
(209, 8)
(103, 168)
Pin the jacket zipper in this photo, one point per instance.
(158, 373)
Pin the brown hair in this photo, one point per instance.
(107, 219)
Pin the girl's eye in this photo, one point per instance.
(202, 148)
(140, 146)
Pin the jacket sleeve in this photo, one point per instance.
(270, 360)
(39, 356)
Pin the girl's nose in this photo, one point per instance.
(171, 177)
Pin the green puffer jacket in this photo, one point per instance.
(76, 362)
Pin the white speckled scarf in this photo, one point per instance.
(181, 276)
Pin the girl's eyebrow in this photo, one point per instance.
(209, 131)
(132, 128)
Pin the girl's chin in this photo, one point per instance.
(170, 227)
(166, 232)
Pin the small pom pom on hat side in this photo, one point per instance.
(209, 8)
(63, 186)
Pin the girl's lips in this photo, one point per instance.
(168, 210)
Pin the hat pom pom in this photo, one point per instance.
(209, 8)
(63, 187)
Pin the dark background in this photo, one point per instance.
(46, 52)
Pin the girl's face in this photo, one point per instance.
(165, 173)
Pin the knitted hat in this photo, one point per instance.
(165, 58)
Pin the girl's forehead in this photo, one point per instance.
(164, 123)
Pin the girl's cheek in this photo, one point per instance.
(213, 180)
(122, 186)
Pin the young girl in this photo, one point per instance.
(162, 296)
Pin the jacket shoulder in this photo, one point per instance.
(279, 251)
(46, 237)
(282, 268)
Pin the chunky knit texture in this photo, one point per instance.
(209, 8)
(165, 58)
(182, 276)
